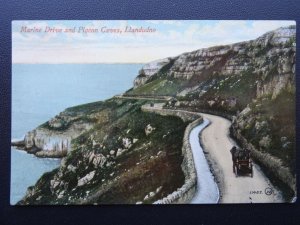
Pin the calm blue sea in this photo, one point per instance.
(40, 91)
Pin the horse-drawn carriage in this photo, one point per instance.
(242, 163)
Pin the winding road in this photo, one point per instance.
(243, 189)
(216, 182)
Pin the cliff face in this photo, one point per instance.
(53, 138)
(271, 57)
(253, 81)
(232, 59)
(148, 70)
(46, 143)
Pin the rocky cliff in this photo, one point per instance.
(252, 82)
(54, 138)
(148, 70)
(271, 57)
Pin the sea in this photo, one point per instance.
(40, 91)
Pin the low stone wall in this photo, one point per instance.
(184, 115)
(185, 193)
(270, 162)
(210, 111)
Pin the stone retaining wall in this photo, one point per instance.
(185, 193)
(184, 115)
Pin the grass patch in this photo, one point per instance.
(159, 87)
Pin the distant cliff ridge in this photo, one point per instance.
(270, 56)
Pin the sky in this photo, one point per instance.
(168, 38)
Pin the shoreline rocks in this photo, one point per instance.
(46, 143)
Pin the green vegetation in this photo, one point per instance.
(242, 87)
(225, 94)
(150, 163)
(159, 86)
(81, 113)
(291, 42)
(274, 118)
(261, 50)
(87, 108)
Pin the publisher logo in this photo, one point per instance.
(268, 191)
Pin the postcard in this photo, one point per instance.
(153, 112)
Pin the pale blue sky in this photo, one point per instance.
(172, 37)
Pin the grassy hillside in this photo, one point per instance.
(139, 154)
(159, 85)
(270, 126)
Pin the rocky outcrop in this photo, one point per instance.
(275, 85)
(84, 180)
(45, 142)
(149, 70)
(149, 129)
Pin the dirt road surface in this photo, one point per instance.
(242, 189)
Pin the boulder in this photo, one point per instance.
(265, 142)
(99, 160)
(86, 179)
(120, 151)
(126, 143)
(149, 129)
